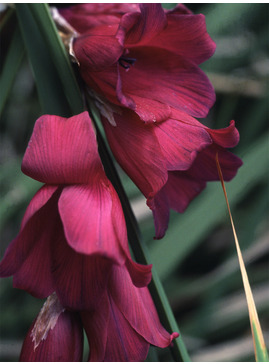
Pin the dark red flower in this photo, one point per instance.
(73, 230)
(145, 60)
(55, 335)
(171, 161)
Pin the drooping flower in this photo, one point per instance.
(125, 323)
(146, 60)
(171, 161)
(148, 71)
(55, 335)
(120, 328)
(154, 76)
(73, 230)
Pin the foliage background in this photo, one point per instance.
(196, 260)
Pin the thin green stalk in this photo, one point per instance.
(12, 62)
(59, 55)
(48, 83)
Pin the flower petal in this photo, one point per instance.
(183, 186)
(123, 342)
(62, 150)
(168, 78)
(179, 191)
(149, 24)
(97, 52)
(179, 9)
(180, 143)
(28, 257)
(94, 223)
(80, 280)
(95, 324)
(186, 35)
(226, 137)
(87, 214)
(137, 307)
(204, 166)
(64, 341)
(132, 136)
(85, 17)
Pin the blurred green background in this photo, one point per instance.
(196, 260)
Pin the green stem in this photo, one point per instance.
(59, 55)
(12, 62)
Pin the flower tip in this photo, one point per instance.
(159, 236)
(173, 336)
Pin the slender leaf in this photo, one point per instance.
(259, 344)
(47, 80)
(12, 62)
(59, 55)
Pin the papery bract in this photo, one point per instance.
(145, 60)
(55, 335)
(73, 230)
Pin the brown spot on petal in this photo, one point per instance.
(46, 319)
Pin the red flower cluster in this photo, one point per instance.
(140, 64)
(73, 244)
(142, 68)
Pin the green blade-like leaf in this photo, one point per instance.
(58, 55)
(47, 80)
(11, 66)
(261, 351)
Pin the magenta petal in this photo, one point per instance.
(183, 186)
(95, 324)
(137, 307)
(63, 343)
(179, 191)
(186, 35)
(179, 9)
(140, 274)
(80, 280)
(227, 137)
(133, 136)
(85, 17)
(123, 342)
(168, 78)
(151, 111)
(87, 213)
(159, 204)
(97, 52)
(204, 167)
(180, 142)
(28, 257)
(19, 248)
(62, 150)
(149, 24)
